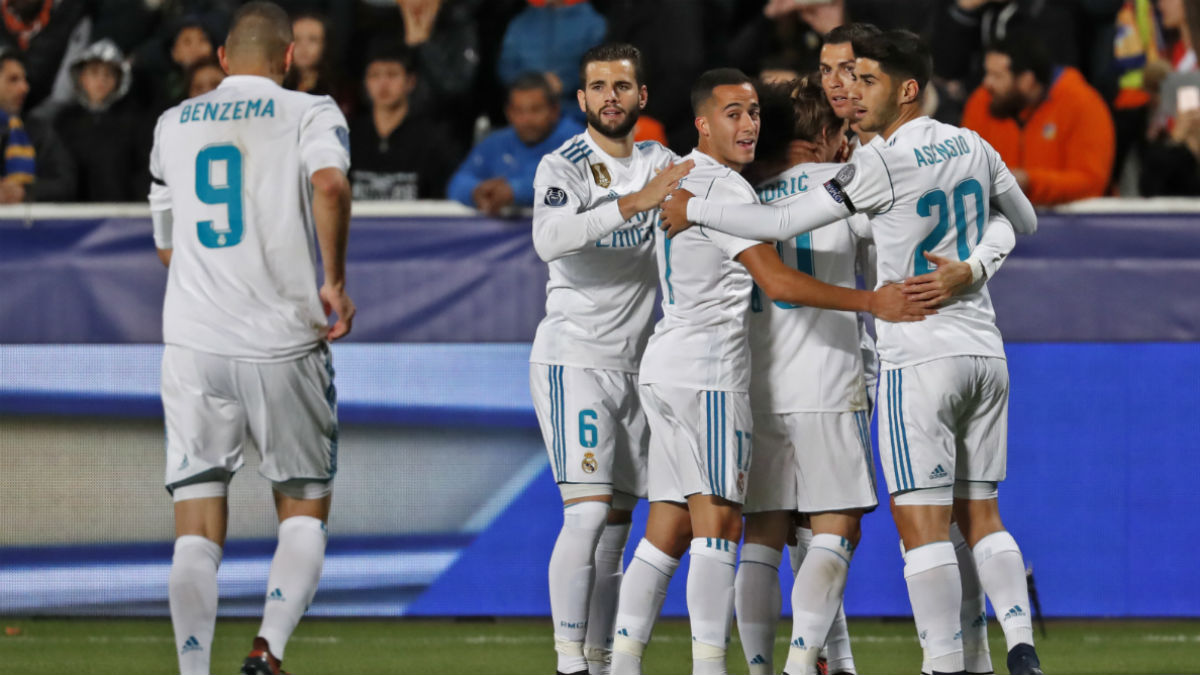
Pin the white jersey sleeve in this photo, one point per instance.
(324, 138)
(994, 245)
(863, 185)
(563, 223)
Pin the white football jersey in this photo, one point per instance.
(233, 168)
(928, 188)
(807, 359)
(701, 341)
(600, 296)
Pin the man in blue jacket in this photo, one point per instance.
(499, 171)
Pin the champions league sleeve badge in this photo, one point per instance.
(555, 197)
(845, 175)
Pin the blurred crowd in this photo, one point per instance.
(459, 99)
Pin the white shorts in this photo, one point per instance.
(213, 404)
(944, 420)
(700, 442)
(812, 463)
(594, 429)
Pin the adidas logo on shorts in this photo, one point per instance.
(938, 472)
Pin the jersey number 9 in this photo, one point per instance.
(227, 192)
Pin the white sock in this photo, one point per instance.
(572, 571)
(816, 597)
(1002, 574)
(710, 602)
(757, 601)
(292, 583)
(643, 590)
(839, 656)
(602, 608)
(935, 593)
(973, 616)
(192, 592)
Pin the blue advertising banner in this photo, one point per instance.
(445, 505)
(1090, 277)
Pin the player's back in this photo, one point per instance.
(701, 340)
(599, 300)
(233, 166)
(942, 180)
(807, 359)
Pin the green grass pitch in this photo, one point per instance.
(524, 647)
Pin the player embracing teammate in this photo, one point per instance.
(928, 188)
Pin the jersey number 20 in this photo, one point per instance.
(969, 187)
(229, 193)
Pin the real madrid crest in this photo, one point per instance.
(600, 173)
(589, 463)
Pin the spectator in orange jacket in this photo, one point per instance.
(1049, 125)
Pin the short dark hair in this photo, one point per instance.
(1026, 53)
(849, 32)
(10, 54)
(717, 77)
(777, 119)
(260, 26)
(613, 51)
(393, 52)
(902, 54)
(533, 80)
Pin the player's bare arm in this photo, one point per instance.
(331, 209)
(786, 284)
(655, 191)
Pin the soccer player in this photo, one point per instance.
(808, 399)
(836, 66)
(245, 178)
(928, 187)
(837, 76)
(811, 413)
(593, 222)
(694, 383)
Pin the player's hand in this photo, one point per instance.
(889, 303)
(674, 212)
(803, 152)
(933, 289)
(663, 184)
(335, 301)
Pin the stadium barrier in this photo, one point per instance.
(444, 503)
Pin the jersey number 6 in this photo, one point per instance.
(229, 193)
